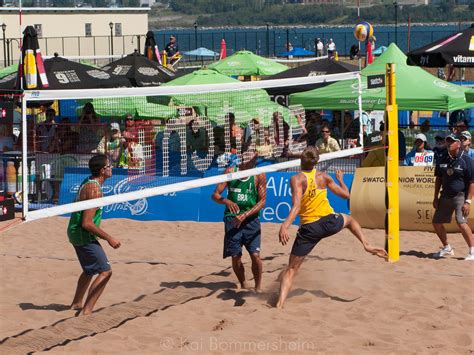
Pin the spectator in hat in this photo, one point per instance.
(466, 140)
(420, 147)
(112, 143)
(331, 48)
(454, 188)
(172, 50)
(440, 146)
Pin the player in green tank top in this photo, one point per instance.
(83, 231)
(245, 198)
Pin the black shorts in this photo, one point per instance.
(92, 258)
(311, 233)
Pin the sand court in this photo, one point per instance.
(172, 291)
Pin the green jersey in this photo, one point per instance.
(244, 193)
(77, 235)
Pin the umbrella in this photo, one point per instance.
(223, 52)
(245, 104)
(139, 70)
(33, 68)
(8, 70)
(297, 52)
(319, 67)
(379, 50)
(456, 50)
(137, 106)
(247, 63)
(202, 52)
(63, 74)
(151, 48)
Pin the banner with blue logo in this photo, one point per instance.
(190, 205)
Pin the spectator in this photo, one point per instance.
(90, 131)
(331, 48)
(172, 50)
(65, 141)
(326, 143)
(285, 139)
(46, 130)
(454, 185)
(319, 47)
(112, 144)
(440, 146)
(351, 131)
(6, 137)
(460, 126)
(420, 148)
(466, 140)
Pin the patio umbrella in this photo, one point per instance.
(297, 52)
(223, 52)
(151, 48)
(245, 105)
(202, 52)
(139, 70)
(247, 63)
(63, 74)
(138, 107)
(319, 67)
(456, 50)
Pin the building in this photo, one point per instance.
(77, 31)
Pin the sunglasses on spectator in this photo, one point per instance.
(325, 131)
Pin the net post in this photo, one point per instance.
(391, 169)
(24, 158)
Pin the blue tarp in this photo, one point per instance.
(297, 52)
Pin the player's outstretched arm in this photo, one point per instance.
(340, 190)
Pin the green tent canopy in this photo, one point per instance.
(245, 104)
(247, 63)
(416, 89)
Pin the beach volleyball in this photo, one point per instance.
(363, 31)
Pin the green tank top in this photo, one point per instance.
(244, 193)
(77, 235)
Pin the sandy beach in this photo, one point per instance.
(171, 292)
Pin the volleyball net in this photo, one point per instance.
(166, 139)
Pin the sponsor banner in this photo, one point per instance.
(190, 205)
(416, 186)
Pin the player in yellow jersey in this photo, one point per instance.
(317, 218)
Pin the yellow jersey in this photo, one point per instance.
(314, 203)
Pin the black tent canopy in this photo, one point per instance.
(139, 70)
(319, 67)
(456, 49)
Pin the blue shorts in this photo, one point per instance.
(311, 234)
(92, 258)
(247, 234)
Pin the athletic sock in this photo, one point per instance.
(471, 250)
(448, 247)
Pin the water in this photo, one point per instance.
(271, 42)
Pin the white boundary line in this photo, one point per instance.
(160, 190)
